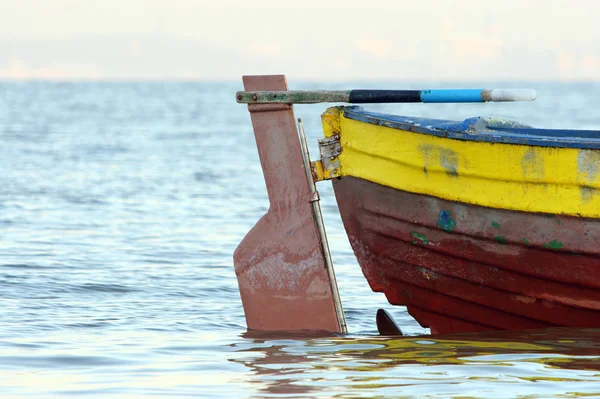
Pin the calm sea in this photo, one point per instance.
(120, 207)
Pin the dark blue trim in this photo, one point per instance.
(384, 96)
(490, 130)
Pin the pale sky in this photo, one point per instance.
(307, 39)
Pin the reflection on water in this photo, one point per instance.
(553, 362)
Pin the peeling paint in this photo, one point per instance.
(587, 193)
(532, 165)
(428, 274)
(434, 155)
(449, 161)
(555, 244)
(588, 166)
(275, 273)
(588, 162)
(318, 287)
(551, 216)
(420, 238)
(445, 221)
(525, 299)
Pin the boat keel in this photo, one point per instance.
(386, 324)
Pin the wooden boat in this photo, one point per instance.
(478, 225)
(474, 226)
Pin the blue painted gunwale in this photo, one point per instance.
(481, 129)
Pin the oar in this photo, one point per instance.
(386, 96)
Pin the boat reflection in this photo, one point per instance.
(284, 364)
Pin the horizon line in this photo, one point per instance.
(172, 79)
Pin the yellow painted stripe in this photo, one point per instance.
(506, 176)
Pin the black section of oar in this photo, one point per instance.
(384, 96)
(385, 324)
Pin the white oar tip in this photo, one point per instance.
(512, 95)
(533, 94)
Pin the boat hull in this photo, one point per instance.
(461, 267)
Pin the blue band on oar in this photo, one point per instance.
(451, 96)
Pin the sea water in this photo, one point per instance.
(120, 207)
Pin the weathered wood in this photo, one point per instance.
(292, 97)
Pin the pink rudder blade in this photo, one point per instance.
(280, 265)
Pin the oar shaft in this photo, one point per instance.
(385, 96)
(293, 97)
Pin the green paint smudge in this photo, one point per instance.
(525, 241)
(420, 237)
(500, 239)
(496, 225)
(556, 244)
(550, 216)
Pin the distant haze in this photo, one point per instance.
(308, 39)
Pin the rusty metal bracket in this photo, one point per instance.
(329, 166)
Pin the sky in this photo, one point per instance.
(309, 39)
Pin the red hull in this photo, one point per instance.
(463, 268)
